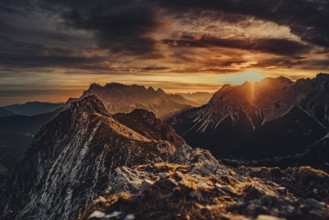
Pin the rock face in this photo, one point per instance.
(146, 123)
(3, 172)
(261, 120)
(120, 98)
(303, 182)
(72, 160)
(201, 189)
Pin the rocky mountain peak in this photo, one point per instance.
(269, 98)
(148, 124)
(322, 76)
(148, 117)
(265, 118)
(114, 85)
(278, 80)
(151, 89)
(160, 91)
(88, 104)
(125, 98)
(322, 82)
(226, 86)
(94, 86)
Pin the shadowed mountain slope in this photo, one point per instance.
(261, 120)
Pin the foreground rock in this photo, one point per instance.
(303, 182)
(203, 189)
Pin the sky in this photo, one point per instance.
(51, 50)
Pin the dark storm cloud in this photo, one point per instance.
(120, 26)
(155, 68)
(35, 34)
(11, 5)
(26, 40)
(306, 18)
(125, 26)
(275, 46)
(31, 55)
(280, 62)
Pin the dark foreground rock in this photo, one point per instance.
(203, 189)
(303, 182)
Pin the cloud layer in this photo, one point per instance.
(163, 37)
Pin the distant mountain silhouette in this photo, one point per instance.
(120, 98)
(25, 125)
(33, 108)
(17, 131)
(5, 113)
(200, 98)
(12, 149)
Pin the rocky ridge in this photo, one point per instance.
(72, 159)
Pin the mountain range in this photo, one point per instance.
(271, 122)
(5, 113)
(125, 98)
(274, 120)
(200, 98)
(26, 119)
(89, 164)
(32, 108)
(16, 135)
